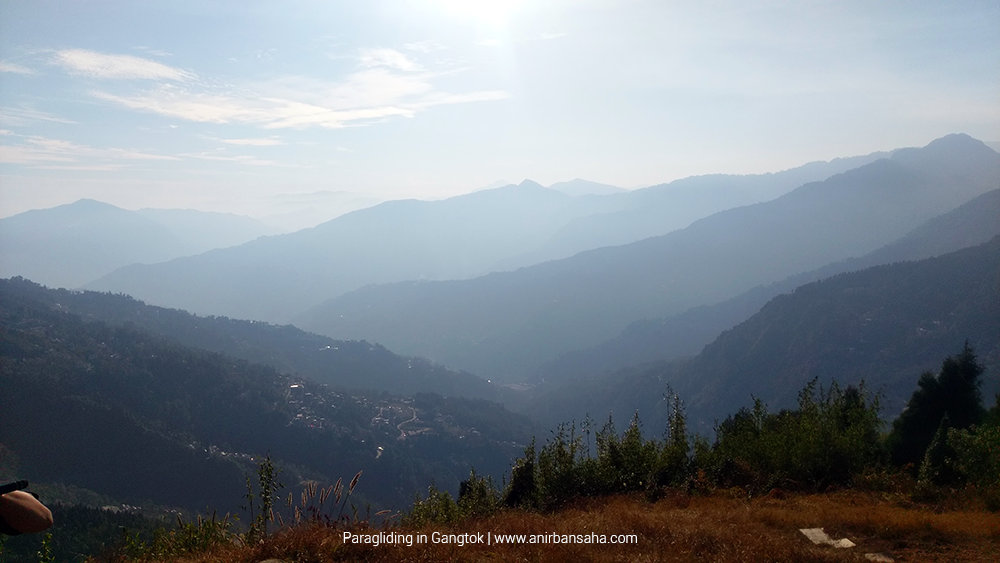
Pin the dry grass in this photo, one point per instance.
(677, 528)
(911, 532)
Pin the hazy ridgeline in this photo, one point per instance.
(685, 334)
(461, 237)
(883, 325)
(505, 325)
(431, 354)
(70, 245)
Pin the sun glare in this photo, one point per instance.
(489, 12)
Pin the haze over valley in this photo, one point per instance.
(554, 340)
(244, 239)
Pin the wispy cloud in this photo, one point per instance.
(25, 116)
(388, 58)
(386, 83)
(548, 36)
(181, 103)
(100, 65)
(389, 84)
(155, 52)
(15, 68)
(82, 167)
(38, 151)
(221, 156)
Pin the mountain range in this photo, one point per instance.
(496, 229)
(505, 325)
(870, 269)
(660, 209)
(649, 340)
(292, 212)
(884, 325)
(70, 245)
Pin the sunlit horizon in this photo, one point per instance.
(221, 106)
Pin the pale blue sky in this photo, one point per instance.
(216, 105)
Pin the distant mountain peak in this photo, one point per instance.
(87, 203)
(952, 142)
(951, 154)
(957, 142)
(501, 185)
(526, 183)
(954, 138)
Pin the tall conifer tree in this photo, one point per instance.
(953, 392)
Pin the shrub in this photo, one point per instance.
(939, 464)
(437, 508)
(977, 460)
(478, 497)
(829, 440)
(629, 463)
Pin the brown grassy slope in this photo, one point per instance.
(678, 528)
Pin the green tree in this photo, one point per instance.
(938, 465)
(831, 438)
(521, 491)
(675, 455)
(953, 392)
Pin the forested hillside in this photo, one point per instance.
(340, 363)
(650, 340)
(148, 421)
(884, 325)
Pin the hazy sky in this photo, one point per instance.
(213, 105)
